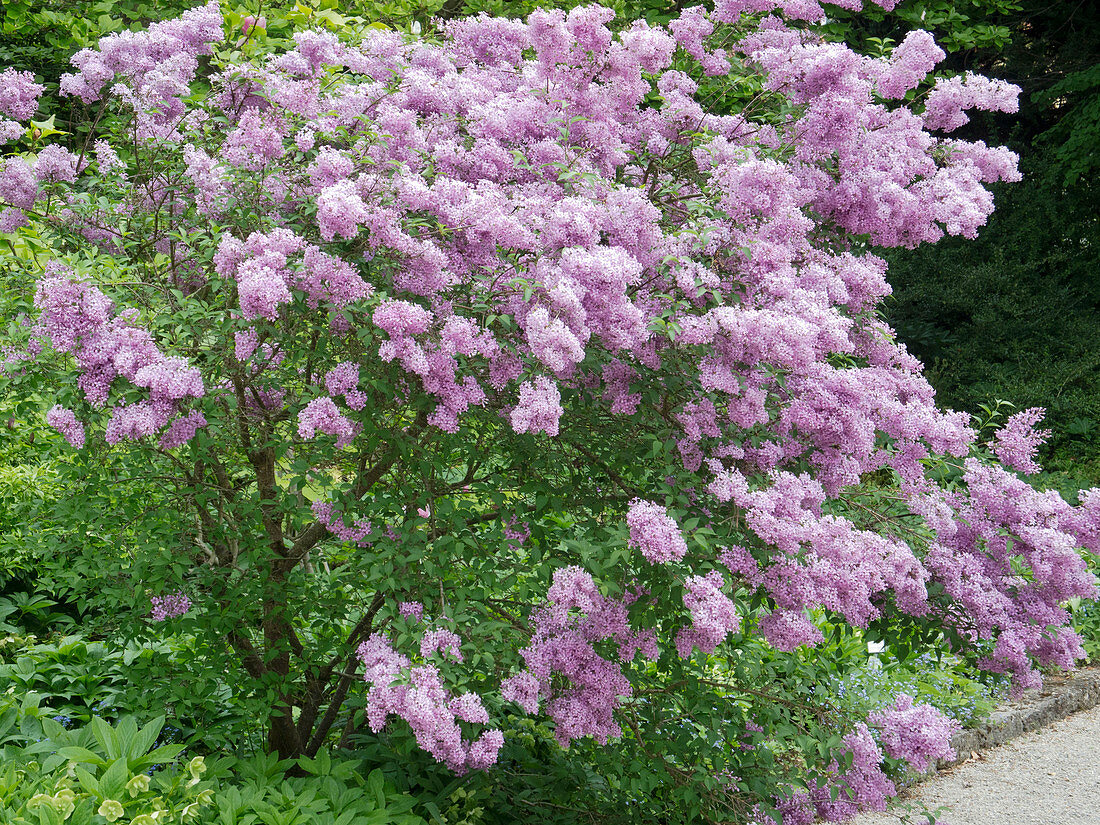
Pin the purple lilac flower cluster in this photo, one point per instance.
(77, 318)
(985, 538)
(1017, 442)
(917, 733)
(19, 94)
(713, 615)
(170, 606)
(151, 70)
(358, 533)
(655, 533)
(577, 617)
(65, 422)
(19, 101)
(417, 695)
(516, 533)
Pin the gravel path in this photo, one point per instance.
(1047, 777)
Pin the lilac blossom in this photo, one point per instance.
(920, 734)
(654, 532)
(19, 94)
(539, 408)
(321, 416)
(1017, 442)
(169, 606)
(65, 422)
(418, 695)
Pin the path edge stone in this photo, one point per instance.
(1079, 691)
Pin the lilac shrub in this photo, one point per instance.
(373, 301)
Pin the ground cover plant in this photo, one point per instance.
(98, 772)
(497, 409)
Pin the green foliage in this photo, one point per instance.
(260, 792)
(1074, 138)
(73, 676)
(957, 26)
(101, 772)
(930, 677)
(97, 773)
(78, 678)
(1086, 617)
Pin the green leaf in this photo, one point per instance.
(145, 738)
(106, 737)
(77, 754)
(87, 781)
(114, 779)
(45, 128)
(375, 784)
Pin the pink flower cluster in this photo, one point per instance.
(170, 606)
(334, 523)
(343, 379)
(539, 408)
(862, 787)
(78, 319)
(150, 69)
(442, 641)
(19, 94)
(818, 560)
(1007, 556)
(21, 182)
(517, 533)
(910, 63)
(713, 615)
(944, 108)
(265, 270)
(562, 652)
(1017, 442)
(654, 532)
(18, 100)
(919, 734)
(417, 695)
(64, 421)
(322, 416)
(436, 363)
(838, 795)
(729, 11)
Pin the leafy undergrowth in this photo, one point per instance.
(942, 681)
(101, 773)
(1086, 617)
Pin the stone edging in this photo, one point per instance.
(1060, 698)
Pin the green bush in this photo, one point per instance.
(942, 681)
